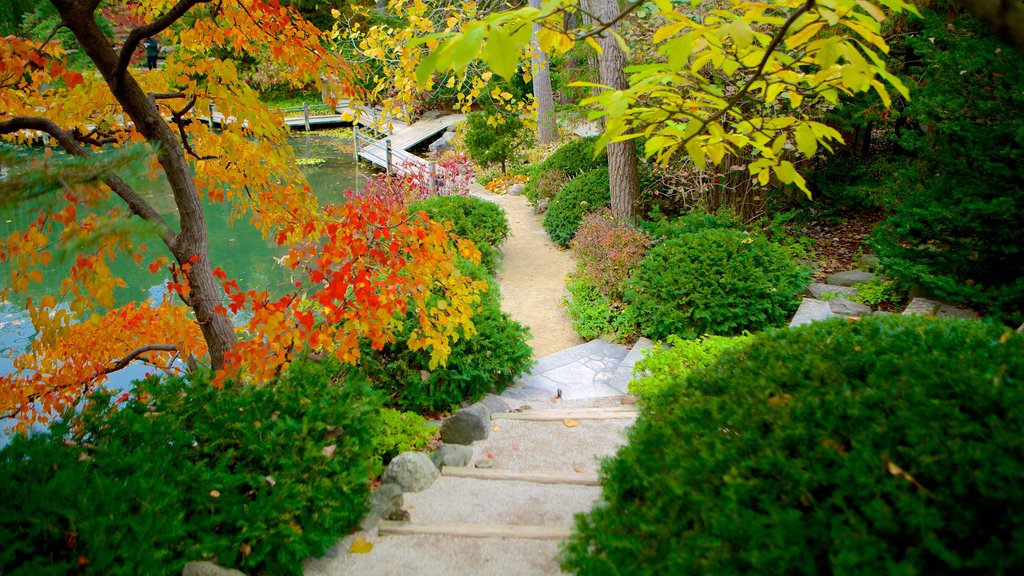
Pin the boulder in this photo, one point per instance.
(452, 455)
(921, 307)
(811, 310)
(517, 189)
(817, 289)
(467, 425)
(946, 311)
(868, 262)
(442, 144)
(430, 115)
(412, 471)
(207, 568)
(849, 278)
(387, 501)
(495, 404)
(844, 307)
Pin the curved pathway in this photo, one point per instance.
(532, 277)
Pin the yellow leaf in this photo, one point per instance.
(335, 12)
(360, 546)
(570, 423)
(804, 34)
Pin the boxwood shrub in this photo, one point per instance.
(472, 218)
(717, 281)
(257, 477)
(888, 446)
(571, 160)
(581, 196)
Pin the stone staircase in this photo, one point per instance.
(509, 507)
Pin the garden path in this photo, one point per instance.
(532, 277)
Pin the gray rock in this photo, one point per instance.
(868, 262)
(946, 311)
(849, 278)
(430, 115)
(495, 404)
(844, 307)
(207, 568)
(517, 189)
(442, 144)
(452, 455)
(413, 471)
(811, 310)
(817, 289)
(541, 206)
(387, 500)
(921, 307)
(467, 425)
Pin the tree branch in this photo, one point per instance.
(139, 34)
(135, 202)
(120, 363)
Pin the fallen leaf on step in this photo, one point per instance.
(627, 400)
(570, 423)
(495, 428)
(515, 446)
(578, 469)
(360, 546)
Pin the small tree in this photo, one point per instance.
(495, 139)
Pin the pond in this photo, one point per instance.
(325, 158)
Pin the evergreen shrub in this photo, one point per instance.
(887, 446)
(581, 196)
(572, 159)
(661, 227)
(668, 365)
(716, 281)
(257, 477)
(595, 314)
(399, 432)
(472, 218)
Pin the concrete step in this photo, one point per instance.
(477, 530)
(534, 476)
(579, 372)
(623, 374)
(455, 500)
(609, 413)
(550, 445)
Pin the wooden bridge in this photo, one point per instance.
(390, 150)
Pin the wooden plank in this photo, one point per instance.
(477, 530)
(559, 415)
(537, 477)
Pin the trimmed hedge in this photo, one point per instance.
(888, 446)
(472, 218)
(581, 196)
(259, 478)
(716, 281)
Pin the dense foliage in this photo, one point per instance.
(258, 478)
(569, 161)
(669, 364)
(957, 232)
(495, 138)
(471, 218)
(399, 432)
(595, 314)
(607, 249)
(581, 196)
(886, 446)
(717, 281)
(487, 361)
(664, 228)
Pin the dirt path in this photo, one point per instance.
(532, 277)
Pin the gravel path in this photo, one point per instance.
(532, 277)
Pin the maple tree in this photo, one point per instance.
(728, 76)
(363, 266)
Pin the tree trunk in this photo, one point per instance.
(547, 127)
(190, 246)
(622, 160)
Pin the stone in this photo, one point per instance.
(467, 425)
(442, 144)
(921, 307)
(207, 568)
(849, 278)
(844, 307)
(430, 115)
(868, 262)
(541, 206)
(811, 310)
(452, 455)
(495, 404)
(817, 289)
(412, 471)
(387, 500)
(517, 189)
(946, 311)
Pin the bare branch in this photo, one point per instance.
(135, 202)
(120, 363)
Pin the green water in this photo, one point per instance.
(236, 247)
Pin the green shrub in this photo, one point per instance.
(581, 196)
(664, 366)
(572, 159)
(399, 432)
(888, 446)
(716, 281)
(607, 249)
(663, 228)
(486, 362)
(495, 138)
(878, 292)
(259, 478)
(478, 220)
(595, 314)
